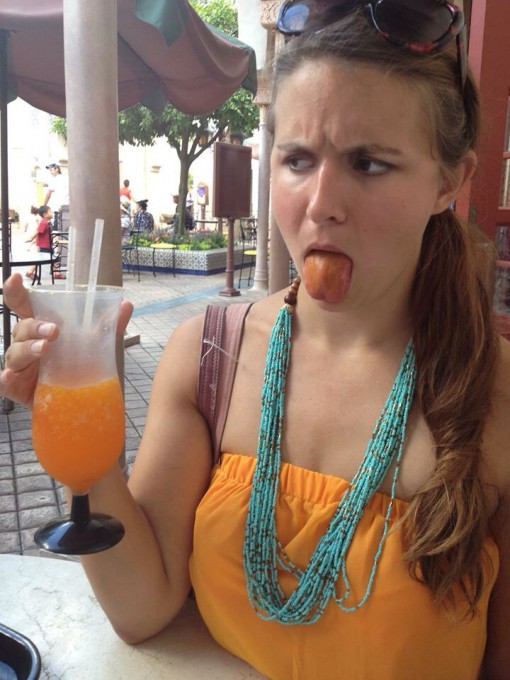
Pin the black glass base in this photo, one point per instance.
(63, 536)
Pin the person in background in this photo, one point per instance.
(189, 222)
(126, 196)
(125, 224)
(57, 194)
(189, 200)
(41, 236)
(143, 219)
(356, 525)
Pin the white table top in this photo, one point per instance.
(50, 601)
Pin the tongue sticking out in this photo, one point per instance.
(327, 276)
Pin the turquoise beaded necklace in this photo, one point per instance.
(263, 554)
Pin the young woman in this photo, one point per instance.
(357, 524)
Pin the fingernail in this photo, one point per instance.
(37, 346)
(46, 329)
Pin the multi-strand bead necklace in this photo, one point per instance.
(263, 553)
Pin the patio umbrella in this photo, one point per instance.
(165, 52)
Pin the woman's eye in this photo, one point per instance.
(370, 166)
(298, 163)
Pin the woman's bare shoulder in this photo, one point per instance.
(265, 310)
(261, 316)
(187, 336)
(259, 322)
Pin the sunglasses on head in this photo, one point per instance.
(416, 25)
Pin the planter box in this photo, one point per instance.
(198, 262)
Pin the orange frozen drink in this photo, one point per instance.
(78, 432)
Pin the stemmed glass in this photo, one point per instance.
(78, 411)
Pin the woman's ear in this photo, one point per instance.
(453, 182)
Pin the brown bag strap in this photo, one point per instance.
(221, 340)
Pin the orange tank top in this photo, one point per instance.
(398, 634)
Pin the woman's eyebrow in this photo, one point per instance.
(375, 149)
(289, 146)
(367, 149)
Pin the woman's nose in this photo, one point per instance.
(327, 197)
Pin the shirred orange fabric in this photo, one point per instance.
(398, 634)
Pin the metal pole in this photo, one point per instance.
(229, 290)
(7, 404)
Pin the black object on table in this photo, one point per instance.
(19, 657)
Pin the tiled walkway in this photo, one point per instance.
(28, 496)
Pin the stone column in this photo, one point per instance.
(262, 100)
(279, 258)
(90, 48)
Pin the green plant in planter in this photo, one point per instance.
(208, 241)
(198, 241)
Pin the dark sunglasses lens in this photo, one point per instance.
(309, 15)
(409, 21)
(294, 18)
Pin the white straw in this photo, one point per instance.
(93, 271)
(71, 259)
(96, 254)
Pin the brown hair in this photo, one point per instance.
(454, 337)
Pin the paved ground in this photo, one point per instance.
(28, 496)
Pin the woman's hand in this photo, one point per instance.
(30, 340)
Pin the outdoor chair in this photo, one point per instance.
(130, 253)
(59, 244)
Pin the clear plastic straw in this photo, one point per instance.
(94, 270)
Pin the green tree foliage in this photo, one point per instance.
(219, 13)
(189, 135)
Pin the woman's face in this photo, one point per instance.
(353, 173)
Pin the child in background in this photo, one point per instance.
(41, 235)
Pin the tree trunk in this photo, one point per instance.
(183, 192)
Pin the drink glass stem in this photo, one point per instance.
(80, 511)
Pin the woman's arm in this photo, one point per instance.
(142, 582)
